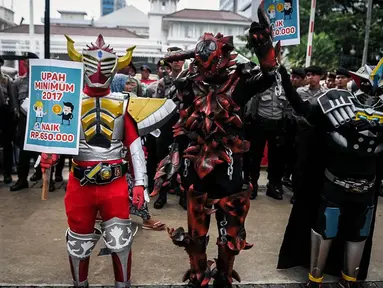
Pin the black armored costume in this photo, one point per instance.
(336, 205)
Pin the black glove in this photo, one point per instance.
(259, 37)
(260, 41)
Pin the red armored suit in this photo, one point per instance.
(97, 182)
(212, 94)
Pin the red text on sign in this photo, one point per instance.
(54, 137)
(53, 76)
(55, 96)
(284, 31)
(54, 127)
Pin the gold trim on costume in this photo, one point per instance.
(315, 280)
(72, 52)
(348, 278)
(107, 132)
(89, 134)
(369, 117)
(141, 108)
(98, 116)
(125, 60)
(114, 107)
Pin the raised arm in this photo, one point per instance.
(310, 110)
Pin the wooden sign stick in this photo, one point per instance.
(46, 181)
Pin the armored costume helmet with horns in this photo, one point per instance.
(100, 61)
(368, 86)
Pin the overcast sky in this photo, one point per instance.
(92, 7)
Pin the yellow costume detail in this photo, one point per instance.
(77, 56)
(315, 280)
(348, 278)
(364, 115)
(142, 108)
(98, 115)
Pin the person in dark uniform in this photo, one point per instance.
(67, 113)
(166, 137)
(304, 134)
(21, 90)
(7, 120)
(267, 125)
(342, 78)
(297, 76)
(330, 80)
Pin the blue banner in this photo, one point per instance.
(54, 112)
(284, 18)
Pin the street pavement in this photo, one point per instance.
(33, 253)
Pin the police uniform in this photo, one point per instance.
(22, 90)
(7, 102)
(267, 125)
(290, 134)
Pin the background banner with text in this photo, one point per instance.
(284, 18)
(53, 124)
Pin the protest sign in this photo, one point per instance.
(53, 118)
(284, 19)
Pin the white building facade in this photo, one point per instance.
(183, 28)
(247, 8)
(152, 34)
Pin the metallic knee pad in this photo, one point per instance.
(118, 238)
(352, 256)
(80, 247)
(319, 252)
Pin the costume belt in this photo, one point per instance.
(351, 185)
(100, 174)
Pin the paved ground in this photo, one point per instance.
(32, 248)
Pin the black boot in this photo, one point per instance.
(312, 284)
(19, 185)
(59, 179)
(274, 191)
(287, 182)
(182, 201)
(35, 177)
(7, 179)
(254, 192)
(52, 186)
(161, 201)
(348, 284)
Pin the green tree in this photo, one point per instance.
(344, 21)
(324, 53)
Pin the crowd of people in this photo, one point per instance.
(277, 112)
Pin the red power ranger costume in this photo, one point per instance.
(110, 126)
(212, 93)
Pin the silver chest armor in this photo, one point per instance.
(102, 128)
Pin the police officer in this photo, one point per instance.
(304, 132)
(330, 80)
(166, 137)
(342, 78)
(267, 111)
(297, 76)
(21, 88)
(7, 121)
